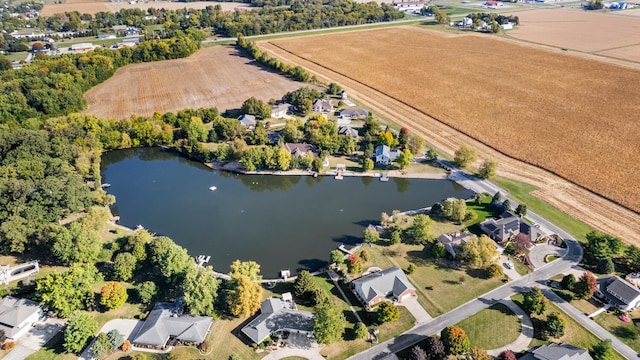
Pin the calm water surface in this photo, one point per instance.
(282, 222)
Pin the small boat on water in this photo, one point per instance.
(384, 177)
(105, 185)
(213, 188)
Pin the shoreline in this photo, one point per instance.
(235, 167)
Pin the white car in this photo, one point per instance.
(508, 265)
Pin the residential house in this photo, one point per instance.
(557, 352)
(248, 121)
(452, 242)
(166, 322)
(384, 155)
(278, 315)
(618, 292)
(280, 111)
(323, 106)
(346, 115)
(17, 316)
(388, 284)
(300, 149)
(348, 131)
(508, 226)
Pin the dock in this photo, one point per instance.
(384, 177)
(201, 260)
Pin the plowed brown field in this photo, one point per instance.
(219, 76)
(94, 7)
(572, 116)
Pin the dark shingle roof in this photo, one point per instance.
(276, 316)
(561, 352)
(625, 291)
(391, 280)
(164, 322)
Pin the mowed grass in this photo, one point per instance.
(625, 332)
(521, 193)
(575, 334)
(438, 285)
(344, 349)
(482, 327)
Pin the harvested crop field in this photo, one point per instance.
(218, 76)
(572, 116)
(94, 7)
(606, 34)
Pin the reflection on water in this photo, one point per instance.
(282, 222)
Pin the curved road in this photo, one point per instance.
(538, 278)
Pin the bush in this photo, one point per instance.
(8, 345)
(411, 269)
(387, 312)
(495, 270)
(438, 250)
(205, 346)
(361, 331)
(568, 281)
(364, 254)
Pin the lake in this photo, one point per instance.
(281, 222)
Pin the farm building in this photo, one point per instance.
(507, 26)
(410, 7)
(389, 284)
(81, 47)
(492, 4)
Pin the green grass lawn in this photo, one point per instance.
(16, 56)
(625, 332)
(521, 193)
(344, 349)
(482, 327)
(575, 334)
(437, 284)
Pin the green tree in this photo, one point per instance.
(116, 339)
(396, 235)
(256, 107)
(101, 346)
(438, 250)
(411, 269)
(80, 328)
(480, 252)
(137, 243)
(495, 27)
(124, 266)
(367, 164)
(147, 291)
(361, 331)
(333, 89)
(68, 291)
(284, 159)
(555, 325)
(364, 254)
(201, 291)
(495, 270)
(172, 260)
(534, 301)
(371, 235)
(455, 340)
(337, 257)
(632, 256)
(568, 282)
(387, 313)
(245, 297)
(420, 231)
(606, 266)
(521, 209)
(586, 286)
(455, 209)
(465, 156)
(601, 246)
(79, 243)
(328, 324)
(603, 350)
(404, 159)
(304, 285)
(488, 169)
(113, 295)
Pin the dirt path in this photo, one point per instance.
(584, 205)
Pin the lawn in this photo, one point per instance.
(16, 56)
(437, 283)
(575, 334)
(521, 193)
(625, 332)
(482, 327)
(345, 349)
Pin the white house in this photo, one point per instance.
(280, 111)
(384, 155)
(323, 106)
(618, 292)
(17, 316)
(248, 121)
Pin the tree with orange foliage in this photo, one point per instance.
(355, 264)
(455, 340)
(126, 345)
(586, 286)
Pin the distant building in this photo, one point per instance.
(17, 316)
(280, 111)
(413, 7)
(323, 106)
(346, 115)
(248, 121)
(300, 149)
(389, 284)
(618, 292)
(106, 36)
(81, 47)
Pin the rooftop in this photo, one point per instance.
(277, 314)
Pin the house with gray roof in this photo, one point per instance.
(508, 226)
(346, 115)
(300, 149)
(618, 292)
(280, 111)
(348, 131)
(278, 315)
(389, 284)
(323, 106)
(452, 242)
(248, 121)
(17, 316)
(166, 322)
(384, 155)
(557, 352)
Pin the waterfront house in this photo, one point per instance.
(384, 155)
(387, 285)
(452, 242)
(278, 315)
(300, 149)
(17, 316)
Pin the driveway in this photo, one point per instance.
(418, 312)
(37, 337)
(127, 327)
(511, 273)
(540, 251)
(297, 345)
